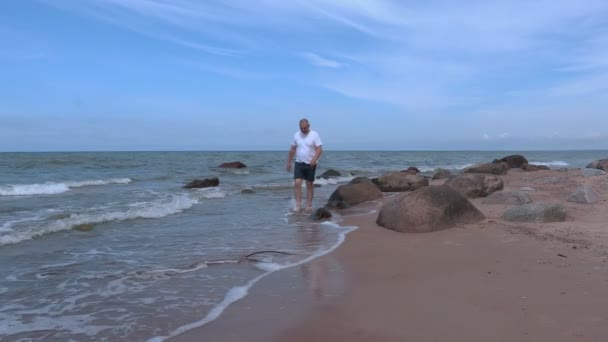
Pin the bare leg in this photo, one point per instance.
(297, 186)
(309, 194)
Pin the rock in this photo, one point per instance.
(203, 183)
(401, 181)
(358, 190)
(493, 168)
(411, 170)
(587, 172)
(233, 165)
(428, 209)
(84, 227)
(531, 167)
(515, 160)
(320, 214)
(329, 174)
(601, 164)
(527, 188)
(584, 194)
(474, 185)
(508, 197)
(247, 191)
(536, 213)
(442, 174)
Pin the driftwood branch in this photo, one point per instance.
(248, 256)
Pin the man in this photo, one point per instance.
(306, 147)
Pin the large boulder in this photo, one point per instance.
(400, 181)
(233, 165)
(601, 164)
(584, 194)
(203, 183)
(493, 168)
(536, 213)
(508, 197)
(358, 190)
(532, 167)
(515, 160)
(428, 209)
(475, 185)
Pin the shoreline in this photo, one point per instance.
(478, 282)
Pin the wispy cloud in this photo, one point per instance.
(435, 54)
(319, 61)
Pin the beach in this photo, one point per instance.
(492, 280)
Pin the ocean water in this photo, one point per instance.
(109, 246)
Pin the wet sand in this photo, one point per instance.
(491, 281)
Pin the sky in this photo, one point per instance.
(88, 75)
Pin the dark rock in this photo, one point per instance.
(329, 174)
(401, 181)
(411, 170)
(474, 185)
(233, 165)
(532, 167)
(355, 192)
(84, 227)
(536, 213)
(203, 183)
(442, 174)
(493, 168)
(428, 209)
(320, 214)
(247, 191)
(515, 160)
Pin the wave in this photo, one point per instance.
(550, 163)
(51, 188)
(155, 209)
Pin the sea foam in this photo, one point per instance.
(238, 292)
(52, 188)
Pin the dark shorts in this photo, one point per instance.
(304, 171)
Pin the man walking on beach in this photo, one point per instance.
(306, 147)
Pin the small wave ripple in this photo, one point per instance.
(52, 188)
(155, 209)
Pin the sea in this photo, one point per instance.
(109, 246)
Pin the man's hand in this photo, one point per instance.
(313, 163)
(288, 166)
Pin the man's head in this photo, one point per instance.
(304, 126)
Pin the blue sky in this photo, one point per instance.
(239, 74)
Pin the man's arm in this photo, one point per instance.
(292, 152)
(318, 151)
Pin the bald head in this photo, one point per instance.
(304, 126)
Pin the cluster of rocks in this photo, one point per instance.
(424, 208)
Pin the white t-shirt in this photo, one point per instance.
(305, 145)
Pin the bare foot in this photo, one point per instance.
(308, 209)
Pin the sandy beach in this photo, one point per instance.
(489, 281)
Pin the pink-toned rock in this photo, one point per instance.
(428, 209)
